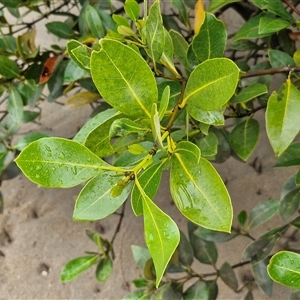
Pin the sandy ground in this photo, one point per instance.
(38, 236)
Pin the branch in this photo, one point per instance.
(271, 71)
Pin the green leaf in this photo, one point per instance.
(271, 25)
(213, 117)
(216, 4)
(76, 266)
(262, 212)
(197, 290)
(250, 29)
(218, 74)
(282, 123)
(164, 102)
(79, 54)
(284, 268)
(130, 92)
(161, 234)
(180, 48)
(15, 106)
(136, 295)
(242, 218)
(183, 14)
(199, 193)
(290, 157)
(228, 276)
(243, 138)
(9, 69)
(95, 201)
(259, 270)
(60, 29)
(244, 45)
(150, 182)
(289, 203)
(250, 92)
(208, 145)
(29, 138)
(94, 22)
(280, 59)
(215, 236)
(73, 72)
(104, 269)
(185, 251)
(211, 40)
(204, 251)
(141, 255)
(124, 126)
(57, 162)
(155, 126)
(155, 33)
(132, 9)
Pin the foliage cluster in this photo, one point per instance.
(164, 86)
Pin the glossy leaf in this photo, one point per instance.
(130, 92)
(199, 193)
(259, 270)
(212, 75)
(76, 266)
(290, 157)
(104, 269)
(95, 201)
(9, 69)
(150, 181)
(57, 162)
(262, 212)
(60, 29)
(155, 33)
(280, 59)
(250, 92)
(161, 234)
(243, 138)
(271, 25)
(197, 290)
(228, 276)
(211, 40)
(213, 117)
(282, 123)
(284, 268)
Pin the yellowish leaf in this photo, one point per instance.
(82, 98)
(199, 16)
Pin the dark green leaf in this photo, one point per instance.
(290, 157)
(27, 139)
(242, 217)
(289, 204)
(216, 4)
(15, 106)
(215, 236)
(259, 270)
(198, 290)
(228, 276)
(250, 92)
(104, 269)
(244, 137)
(76, 266)
(183, 14)
(9, 69)
(180, 47)
(94, 22)
(280, 59)
(211, 40)
(185, 251)
(57, 162)
(60, 29)
(262, 212)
